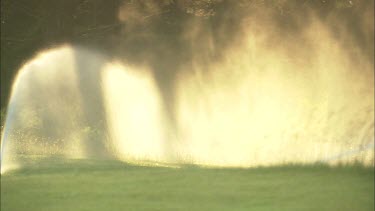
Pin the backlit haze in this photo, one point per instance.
(271, 96)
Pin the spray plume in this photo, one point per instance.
(224, 85)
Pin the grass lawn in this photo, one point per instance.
(110, 185)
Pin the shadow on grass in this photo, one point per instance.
(59, 164)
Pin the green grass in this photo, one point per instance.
(109, 185)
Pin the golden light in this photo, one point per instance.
(134, 113)
(267, 105)
(304, 99)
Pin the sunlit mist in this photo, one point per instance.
(134, 113)
(262, 100)
(44, 114)
(269, 105)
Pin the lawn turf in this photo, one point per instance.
(110, 185)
